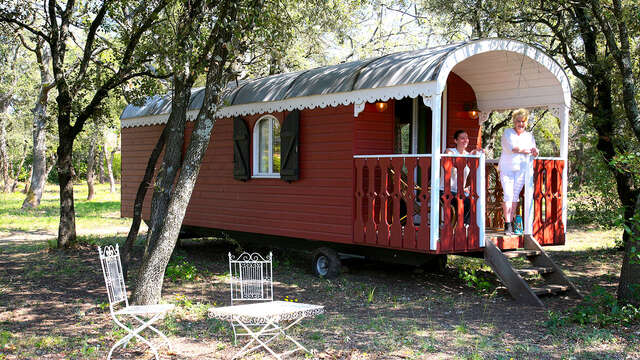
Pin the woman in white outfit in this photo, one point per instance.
(461, 139)
(518, 145)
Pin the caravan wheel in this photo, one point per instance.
(326, 263)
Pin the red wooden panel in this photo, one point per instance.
(409, 197)
(446, 230)
(313, 207)
(461, 94)
(422, 236)
(548, 228)
(383, 224)
(396, 196)
(358, 223)
(454, 235)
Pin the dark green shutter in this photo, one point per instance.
(241, 151)
(289, 166)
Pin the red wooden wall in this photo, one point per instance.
(319, 206)
(460, 93)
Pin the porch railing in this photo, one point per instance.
(392, 202)
(547, 223)
(544, 218)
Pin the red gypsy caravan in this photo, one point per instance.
(349, 159)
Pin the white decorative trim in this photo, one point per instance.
(425, 89)
(392, 156)
(428, 101)
(484, 116)
(357, 109)
(305, 102)
(556, 110)
(488, 45)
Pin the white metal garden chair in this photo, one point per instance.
(143, 314)
(251, 281)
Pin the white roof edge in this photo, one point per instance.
(306, 102)
(487, 45)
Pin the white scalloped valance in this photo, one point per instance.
(301, 103)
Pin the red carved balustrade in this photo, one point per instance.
(392, 198)
(548, 228)
(455, 235)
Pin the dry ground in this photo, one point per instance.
(53, 305)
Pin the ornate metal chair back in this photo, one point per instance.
(113, 279)
(251, 277)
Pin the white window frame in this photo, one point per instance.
(256, 149)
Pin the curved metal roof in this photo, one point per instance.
(401, 68)
(504, 73)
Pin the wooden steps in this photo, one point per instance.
(521, 253)
(550, 289)
(541, 264)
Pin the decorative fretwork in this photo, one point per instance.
(391, 203)
(548, 228)
(455, 235)
(494, 218)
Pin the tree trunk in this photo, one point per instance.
(628, 288)
(604, 123)
(4, 155)
(101, 158)
(16, 175)
(27, 184)
(109, 158)
(151, 274)
(172, 159)
(67, 226)
(139, 202)
(91, 161)
(39, 166)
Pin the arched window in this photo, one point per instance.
(266, 147)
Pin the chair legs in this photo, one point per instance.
(136, 333)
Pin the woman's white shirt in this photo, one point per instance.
(510, 161)
(454, 174)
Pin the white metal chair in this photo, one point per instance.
(114, 281)
(251, 281)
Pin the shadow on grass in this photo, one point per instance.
(374, 307)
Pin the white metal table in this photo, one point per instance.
(265, 317)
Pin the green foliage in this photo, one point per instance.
(599, 308)
(179, 269)
(593, 206)
(117, 165)
(632, 227)
(474, 280)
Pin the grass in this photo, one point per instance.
(102, 211)
(53, 303)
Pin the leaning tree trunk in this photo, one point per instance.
(109, 158)
(151, 275)
(39, 166)
(172, 159)
(139, 202)
(91, 162)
